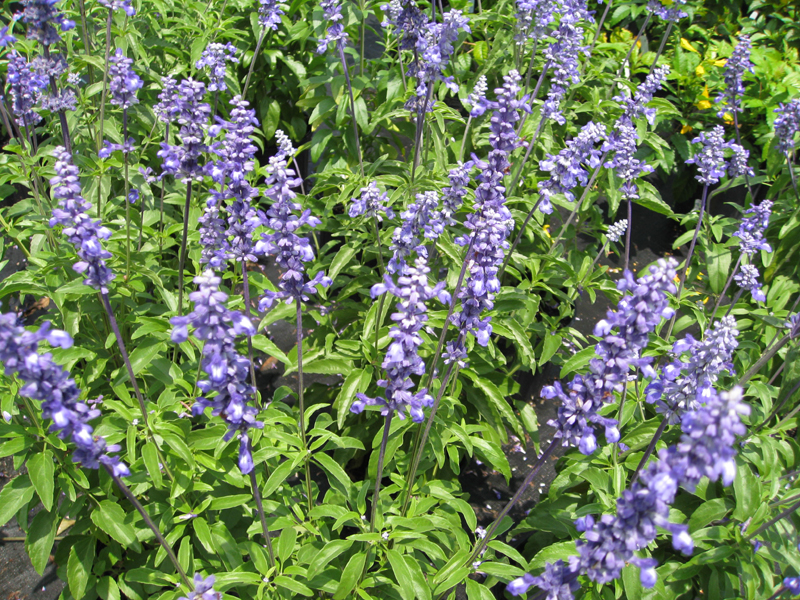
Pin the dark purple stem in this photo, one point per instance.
(182, 258)
(379, 473)
(262, 516)
(628, 235)
(657, 436)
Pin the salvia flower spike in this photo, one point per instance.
(402, 359)
(214, 58)
(227, 371)
(730, 100)
(203, 589)
(48, 382)
(707, 449)
(42, 17)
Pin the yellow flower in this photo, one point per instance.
(703, 104)
(686, 45)
(699, 71)
(686, 129)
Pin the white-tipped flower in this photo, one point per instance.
(617, 230)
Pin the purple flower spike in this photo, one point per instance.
(42, 16)
(6, 39)
(625, 334)
(203, 589)
(214, 58)
(793, 585)
(710, 159)
(738, 64)
(186, 105)
(566, 168)
(533, 19)
(477, 99)
(123, 83)
(453, 196)
(751, 229)
(290, 250)
(228, 372)
(402, 360)
(562, 55)
(422, 219)
(46, 381)
(747, 279)
(684, 385)
(672, 14)
(787, 124)
(84, 233)
(371, 203)
(335, 32)
(119, 4)
(707, 449)
(269, 14)
(26, 84)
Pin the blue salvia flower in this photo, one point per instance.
(737, 166)
(747, 279)
(119, 4)
(477, 99)
(55, 100)
(433, 51)
(46, 381)
(192, 114)
(290, 250)
(617, 230)
(567, 167)
(421, 220)
(490, 224)
(787, 124)
(672, 14)
(6, 38)
(737, 65)
(533, 19)
(707, 449)
(83, 232)
(269, 14)
(685, 385)
(26, 85)
(407, 18)
(228, 371)
(623, 141)
(335, 32)
(625, 334)
(214, 58)
(710, 160)
(203, 589)
(42, 16)
(562, 55)
(792, 584)
(752, 227)
(453, 196)
(371, 203)
(213, 236)
(123, 82)
(402, 361)
(167, 109)
(284, 143)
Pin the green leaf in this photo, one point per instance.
(341, 260)
(550, 346)
(203, 533)
(285, 545)
(493, 394)
(334, 469)
(79, 565)
(791, 377)
(327, 366)
(480, 51)
(325, 556)
(422, 590)
(278, 477)
(42, 473)
(631, 582)
(401, 574)
(150, 457)
(577, 361)
(110, 517)
(40, 538)
(707, 512)
(491, 453)
(108, 589)
(144, 355)
(260, 342)
(350, 576)
(356, 381)
(747, 491)
(14, 496)
(502, 570)
(224, 502)
(718, 263)
(552, 553)
(475, 591)
(293, 585)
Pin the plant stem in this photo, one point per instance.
(511, 503)
(764, 359)
(661, 46)
(418, 135)
(524, 160)
(62, 117)
(99, 142)
(518, 238)
(253, 62)
(733, 302)
(183, 251)
(352, 106)
(727, 285)
(379, 322)
(149, 522)
(125, 198)
(635, 41)
(657, 436)
(525, 114)
(464, 139)
(628, 235)
(246, 294)
(739, 141)
(262, 516)
(596, 36)
(789, 511)
(302, 404)
(379, 473)
(579, 203)
(124, 352)
(794, 178)
(363, 34)
(420, 447)
(530, 68)
(161, 206)
(777, 409)
(682, 281)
